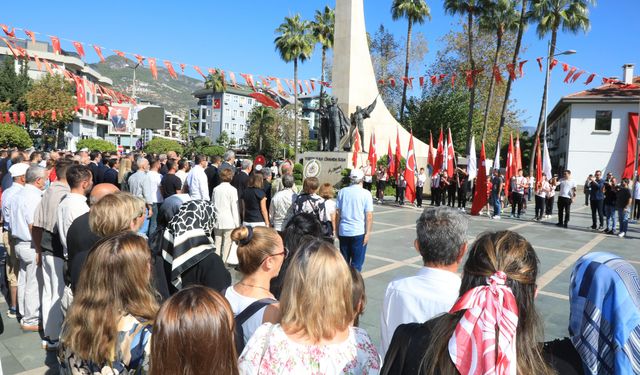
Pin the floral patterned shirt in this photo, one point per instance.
(271, 352)
(133, 346)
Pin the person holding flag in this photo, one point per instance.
(381, 183)
(410, 173)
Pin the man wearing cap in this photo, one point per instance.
(17, 172)
(354, 214)
(22, 214)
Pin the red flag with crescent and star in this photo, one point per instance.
(55, 44)
(357, 147)
(31, 35)
(410, 172)
(80, 92)
(98, 50)
(450, 155)
(197, 69)
(79, 48)
(437, 167)
(153, 67)
(373, 157)
(391, 166)
(398, 158)
(172, 72)
(480, 197)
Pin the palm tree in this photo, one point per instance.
(323, 28)
(215, 82)
(262, 117)
(500, 17)
(470, 8)
(295, 43)
(415, 11)
(551, 15)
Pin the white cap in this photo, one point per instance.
(84, 149)
(18, 170)
(356, 175)
(258, 167)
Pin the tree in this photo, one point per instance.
(52, 93)
(162, 146)
(500, 17)
(295, 43)
(263, 135)
(415, 11)
(202, 146)
(12, 135)
(13, 86)
(551, 15)
(96, 144)
(470, 8)
(323, 28)
(223, 139)
(215, 81)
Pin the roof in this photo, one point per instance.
(614, 91)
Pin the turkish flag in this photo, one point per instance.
(98, 50)
(248, 78)
(430, 155)
(119, 53)
(391, 166)
(480, 194)
(469, 75)
(80, 92)
(313, 85)
(398, 158)
(554, 62)
(632, 142)
(538, 161)
(451, 154)
(520, 66)
(512, 71)
(518, 155)
(280, 88)
(373, 157)
(571, 71)
(421, 79)
(7, 117)
(1, 118)
(408, 81)
(509, 166)
(79, 48)
(453, 80)
(23, 118)
(153, 67)
(55, 43)
(434, 80)
(182, 66)
(357, 147)
(197, 69)
(216, 103)
(172, 71)
(15, 117)
(38, 63)
(392, 81)
(539, 60)
(30, 35)
(590, 78)
(576, 76)
(439, 156)
(410, 172)
(10, 33)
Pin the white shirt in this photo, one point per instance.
(566, 188)
(155, 179)
(225, 201)
(274, 170)
(416, 298)
(238, 303)
(367, 174)
(544, 189)
(71, 207)
(7, 199)
(23, 209)
(422, 178)
(636, 190)
(182, 175)
(280, 205)
(198, 183)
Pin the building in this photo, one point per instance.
(588, 130)
(86, 124)
(172, 126)
(222, 111)
(310, 104)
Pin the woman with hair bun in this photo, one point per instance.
(260, 256)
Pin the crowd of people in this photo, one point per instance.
(124, 264)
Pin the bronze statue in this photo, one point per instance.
(337, 125)
(357, 122)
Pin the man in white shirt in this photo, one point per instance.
(368, 175)
(281, 203)
(74, 204)
(17, 172)
(421, 179)
(566, 195)
(197, 179)
(22, 213)
(518, 183)
(140, 186)
(442, 242)
(155, 179)
(225, 200)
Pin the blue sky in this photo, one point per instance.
(238, 36)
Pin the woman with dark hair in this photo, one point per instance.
(253, 203)
(194, 316)
(108, 327)
(188, 249)
(493, 328)
(300, 225)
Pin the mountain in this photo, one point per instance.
(173, 94)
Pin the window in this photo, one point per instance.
(208, 112)
(235, 127)
(603, 121)
(226, 111)
(235, 98)
(235, 113)
(226, 126)
(249, 101)
(242, 99)
(242, 114)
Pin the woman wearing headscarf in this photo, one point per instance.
(188, 250)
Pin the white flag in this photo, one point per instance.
(496, 160)
(472, 164)
(546, 161)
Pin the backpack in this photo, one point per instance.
(327, 226)
(243, 316)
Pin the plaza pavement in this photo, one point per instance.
(391, 255)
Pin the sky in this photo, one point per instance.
(238, 36)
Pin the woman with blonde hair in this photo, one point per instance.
(195, 315)
(123, 173)
(108, 327)
(260, 257)
(493, 328)
(315, 334)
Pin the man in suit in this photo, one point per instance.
(241, 179)
(229, 160)
(213, 176)
(95, 162)
(110, 175)
(119, 122)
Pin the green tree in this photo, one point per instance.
(551, 15)
(294, 43)
(263, 136)
(203, 146)
(12, 135)
(13, 86)
(384, 55)
(415, 11)
(215, 81)
(52, 93)
(470, 8)
(500, 18)
(96, 144)
(223, 139)
(162, 146)
(323, 29)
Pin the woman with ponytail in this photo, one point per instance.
(493, 328)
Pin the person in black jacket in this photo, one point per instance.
(110, 175)
(212, 172)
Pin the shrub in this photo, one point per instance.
(14, 136)
(162, 146)
(96, 144)
(298, 170)
(213, 150)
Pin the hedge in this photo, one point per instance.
(162, 146)
(96, 144)
(14, 136)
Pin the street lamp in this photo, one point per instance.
(131, 117)
(546, 86)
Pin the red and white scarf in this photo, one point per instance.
(473, 345)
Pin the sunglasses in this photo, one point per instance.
(285, 253)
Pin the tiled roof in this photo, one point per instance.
(609, 90)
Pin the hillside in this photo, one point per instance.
(174, 94)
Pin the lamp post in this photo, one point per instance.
(548, 73)
(131, 117)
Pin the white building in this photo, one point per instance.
(588, 130)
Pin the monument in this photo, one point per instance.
(354, 85)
